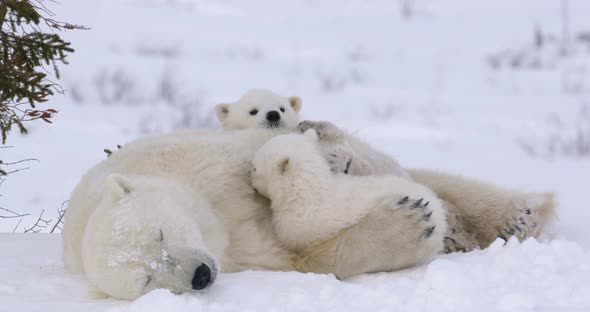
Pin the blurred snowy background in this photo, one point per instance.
(498, 90)
(493, 89)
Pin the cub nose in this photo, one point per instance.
(273, 116)
(202, 277)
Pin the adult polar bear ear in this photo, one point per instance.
(295, 103)
(119, 185)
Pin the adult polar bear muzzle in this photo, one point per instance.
(144, 236)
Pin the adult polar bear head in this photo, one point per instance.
(135, 248)
(260, 108)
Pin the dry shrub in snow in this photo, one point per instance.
(563, 139)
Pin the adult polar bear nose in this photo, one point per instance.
(202, 277)
(273, 116)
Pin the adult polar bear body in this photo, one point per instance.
(152, 214)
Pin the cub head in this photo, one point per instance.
(143, 236)
(260, 108)
(284, 160)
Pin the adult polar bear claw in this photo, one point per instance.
(155, 212)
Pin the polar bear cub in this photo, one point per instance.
(260, 108)
(311, 205)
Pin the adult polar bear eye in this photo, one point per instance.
(253, 112)
(282, 109)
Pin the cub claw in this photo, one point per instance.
(428, 232)
(403, 200)
(417, 203)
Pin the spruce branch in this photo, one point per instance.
(26, 53)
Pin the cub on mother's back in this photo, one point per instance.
(260, 108)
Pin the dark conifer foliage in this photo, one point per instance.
(30, 48)
(27, 54)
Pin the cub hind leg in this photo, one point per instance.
(488, 211)
(400, 233)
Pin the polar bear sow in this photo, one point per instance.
(171, 211)
(310, 205)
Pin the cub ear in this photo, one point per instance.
(311, 134)
(295, 103)
(119, 185)
(284, 165)
(222, 110)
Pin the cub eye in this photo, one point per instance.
(253, 112)
(282, 109)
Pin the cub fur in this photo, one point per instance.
(478, 212)
(363, 216)
(260, 108)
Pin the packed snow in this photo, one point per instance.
(458, 85)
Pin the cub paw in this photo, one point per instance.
(522, 223)
(528, 216)
(326, 131)
(457, 238)
(339, 161)
(418, 213)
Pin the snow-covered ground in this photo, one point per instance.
(457, 86)
(531, 276)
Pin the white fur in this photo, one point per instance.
(194, 190)
(478, 212)
(311, 205)
(144, 249)
(193, 186)
(252, 109)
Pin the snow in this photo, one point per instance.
(421, 89)
(531, 276)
